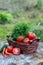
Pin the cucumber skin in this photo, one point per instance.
(3, 46)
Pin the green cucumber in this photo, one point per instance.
(3, 46)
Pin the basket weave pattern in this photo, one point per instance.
(26, 48)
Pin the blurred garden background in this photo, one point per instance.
(13, 11)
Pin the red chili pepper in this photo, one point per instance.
(6, 52)
(3, 52)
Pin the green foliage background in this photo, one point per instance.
(30, 11)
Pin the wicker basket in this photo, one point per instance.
(26, 48)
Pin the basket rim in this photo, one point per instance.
(22, 43)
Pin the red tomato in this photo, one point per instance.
(16, 51)
(9, 49)
(20, 38)
(31, 35)
(3, 52)
(26, 40)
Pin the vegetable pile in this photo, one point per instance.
(9, 50)
(16, 51)
(29, 37)
(20, 33)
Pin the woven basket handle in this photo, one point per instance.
(36, 39)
